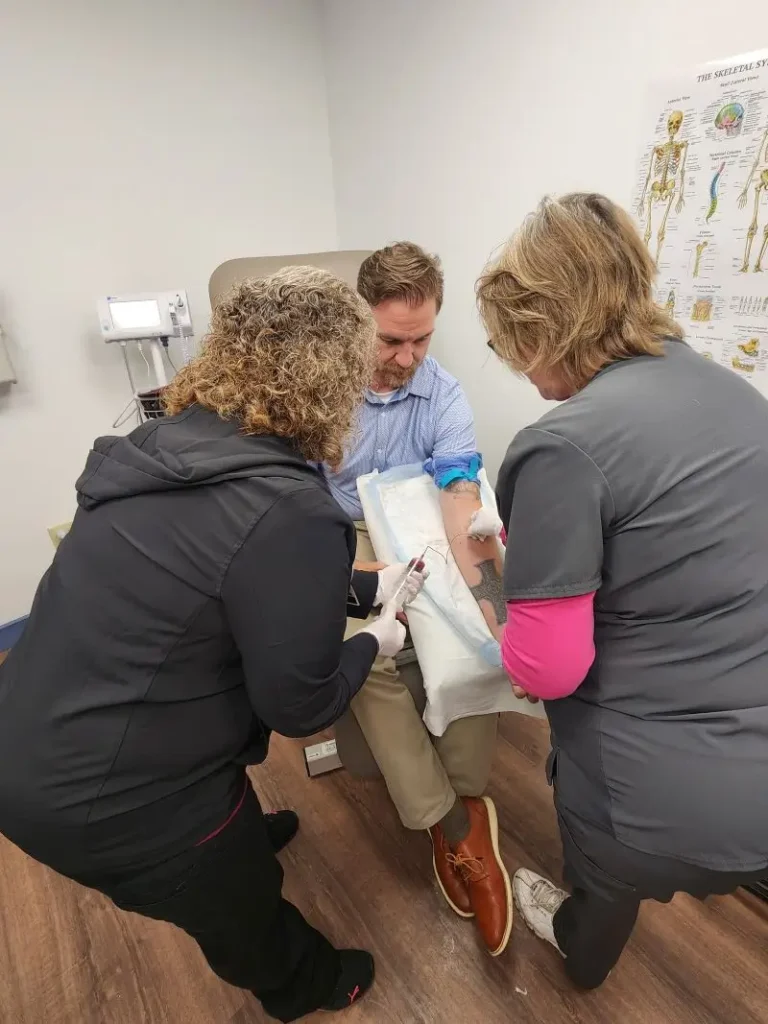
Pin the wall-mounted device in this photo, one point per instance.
(143, 316)
(154, 318)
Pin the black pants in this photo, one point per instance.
(227, 894)
(608, 882)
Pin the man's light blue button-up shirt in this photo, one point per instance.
(428, 418)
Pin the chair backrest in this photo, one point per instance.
(345, 264)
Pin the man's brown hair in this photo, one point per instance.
(401, 271)
(572, 291)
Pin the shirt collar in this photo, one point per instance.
(422, 384)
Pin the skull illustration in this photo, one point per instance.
(730, 119)
(675, 122)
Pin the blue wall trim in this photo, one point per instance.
(10, 632)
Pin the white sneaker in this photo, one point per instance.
(538, 901)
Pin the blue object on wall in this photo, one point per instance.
(10, 633)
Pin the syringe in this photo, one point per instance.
(417, 565)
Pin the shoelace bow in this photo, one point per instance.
(471, 869)
(546, 895)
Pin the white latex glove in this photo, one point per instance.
(484, 523)
(388, 631)
(389, 584)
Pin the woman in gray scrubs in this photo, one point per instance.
(637, 522)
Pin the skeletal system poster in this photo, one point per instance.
(701, 199)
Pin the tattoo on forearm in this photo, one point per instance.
(489, 589)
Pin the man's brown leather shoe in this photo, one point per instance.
(451, 883)
(478, 861)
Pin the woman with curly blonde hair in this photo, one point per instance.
(636, 580)
(285, 363)
(199, 602)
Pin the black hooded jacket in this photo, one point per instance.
(198, 602)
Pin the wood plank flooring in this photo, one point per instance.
(68, 957)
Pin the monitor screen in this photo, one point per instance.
(128, 316)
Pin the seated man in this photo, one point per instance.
(416, 412)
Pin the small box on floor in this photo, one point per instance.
(321, 758)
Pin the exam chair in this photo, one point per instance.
(351, 746)
(345, 264)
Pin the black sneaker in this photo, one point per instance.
(282, 826)
(357, 973)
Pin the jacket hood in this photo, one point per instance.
(194, 449)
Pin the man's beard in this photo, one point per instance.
(392, 377)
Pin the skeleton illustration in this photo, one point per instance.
(667, 162)
(751, 348)
(699, 253)
(761, 187)
(702, 310)
(743, 367)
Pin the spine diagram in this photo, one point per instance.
(713, 190)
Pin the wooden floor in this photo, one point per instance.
(68, 957)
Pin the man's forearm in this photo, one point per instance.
(479, 561)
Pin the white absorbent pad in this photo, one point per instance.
(459, 658)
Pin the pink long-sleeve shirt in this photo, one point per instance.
(548, 645)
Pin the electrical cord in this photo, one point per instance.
(131, 409)
(146, 361)
(125, 414)
(132, 382)
(168, 354)
(186, 341)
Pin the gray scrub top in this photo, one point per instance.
(650, 486)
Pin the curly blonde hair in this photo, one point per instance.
(288, 355)
(572, 291)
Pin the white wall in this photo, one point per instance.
(141, 144)
(451, 118)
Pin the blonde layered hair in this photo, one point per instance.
(572, 291)
(289, 355)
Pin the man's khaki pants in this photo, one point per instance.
(424, 774)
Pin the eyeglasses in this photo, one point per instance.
(491, 345)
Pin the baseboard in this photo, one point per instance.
(11, 631)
